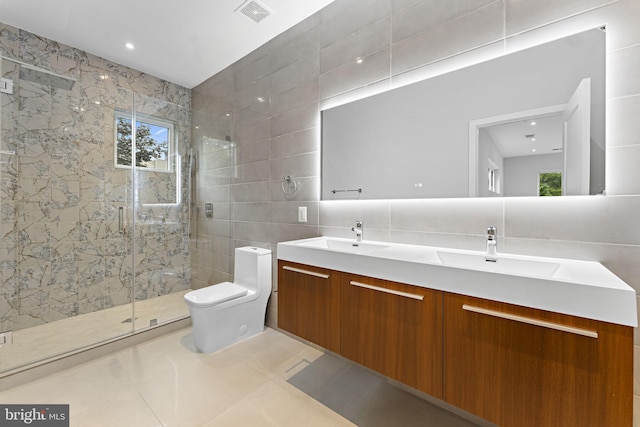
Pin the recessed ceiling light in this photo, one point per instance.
(533, 150)
(129, 46)
(533, 123)
(359, 60)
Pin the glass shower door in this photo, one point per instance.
(161, 177)
(65, 252)
(94, 212)
(8, 231)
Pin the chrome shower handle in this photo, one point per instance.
(121, 228)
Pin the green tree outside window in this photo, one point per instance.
(550, 184)
(151, 152)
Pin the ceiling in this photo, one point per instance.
(184, 42)
(520, 138)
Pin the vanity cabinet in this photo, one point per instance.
(394, 329)
(517, 366)
(309, 303)
(511, 365)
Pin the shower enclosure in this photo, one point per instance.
(94, 212)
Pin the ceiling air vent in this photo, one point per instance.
(253, 11)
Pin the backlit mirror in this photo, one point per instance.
(531, 123)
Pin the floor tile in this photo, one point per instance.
(278, 404)
(126, 409)
(268, 380)
(193, 395)
(366, 399)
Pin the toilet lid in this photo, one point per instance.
(216, 294)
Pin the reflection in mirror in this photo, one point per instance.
(513, 155)
(518, 149)
(468, 133)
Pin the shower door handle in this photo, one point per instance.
(121, 226)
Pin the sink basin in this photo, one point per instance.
(574, 287)
(499, 264)
(349, 246)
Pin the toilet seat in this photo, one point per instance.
(213, 295)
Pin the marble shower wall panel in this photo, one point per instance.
(62, 253)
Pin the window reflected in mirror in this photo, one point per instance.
(550, 184)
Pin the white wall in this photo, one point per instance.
(487, 150)
(522, 173)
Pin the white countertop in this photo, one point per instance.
(579, 288)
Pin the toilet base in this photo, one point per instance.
(217, 330)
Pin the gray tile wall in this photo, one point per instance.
(305, 67)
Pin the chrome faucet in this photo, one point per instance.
(359, 231)
(492, 243)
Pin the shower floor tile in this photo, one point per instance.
(37, 343)
(267, 380)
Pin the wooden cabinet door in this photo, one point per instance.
(520, 367)
(309, 303)
(395, 329)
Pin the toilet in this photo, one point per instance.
(226, 313)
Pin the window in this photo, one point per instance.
(154, 145)
(493, 178)
(550, 184)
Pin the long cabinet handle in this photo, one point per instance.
(307, 272)
(530, 321)
(388, 291)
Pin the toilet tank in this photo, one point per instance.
(252, 268)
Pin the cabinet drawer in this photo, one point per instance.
(517, 366)
(395, 329)
(309, 303)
